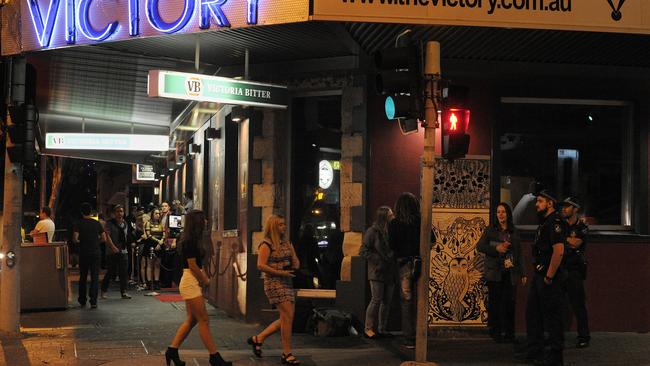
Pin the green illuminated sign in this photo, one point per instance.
(178, 85)
(104, 141)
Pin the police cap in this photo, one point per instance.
(571, 201)
(547, 194)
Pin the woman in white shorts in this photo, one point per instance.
(190, 288)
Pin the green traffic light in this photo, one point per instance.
(389, 107)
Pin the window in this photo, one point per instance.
(573, 147)
(315, 208)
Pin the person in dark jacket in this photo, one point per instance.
(504, 269)
(89, 234)
(382, 271)
(404, 240)
(119, 239)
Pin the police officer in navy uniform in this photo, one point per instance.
(546, 298)
(576, 266)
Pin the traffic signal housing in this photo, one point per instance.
(16, 133)
(400, 78)
(455, 120)
(20, 130)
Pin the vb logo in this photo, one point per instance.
(193, 86)
(616, 9)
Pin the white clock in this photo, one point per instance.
(325, 174)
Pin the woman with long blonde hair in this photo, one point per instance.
(277, 260)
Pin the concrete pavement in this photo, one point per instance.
(137, 331)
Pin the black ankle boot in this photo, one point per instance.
(216, 360)
(172, 355)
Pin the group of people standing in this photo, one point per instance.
(559, 271)
(391, 247)
(132, 247)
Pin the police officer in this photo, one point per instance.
(576, 266)
(546, 298)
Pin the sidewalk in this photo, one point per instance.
(137, 331)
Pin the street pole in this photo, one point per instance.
(43, 182)
(12, 220)
(432, 74)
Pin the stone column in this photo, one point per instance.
(352, 200)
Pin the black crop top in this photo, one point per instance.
(191, 250)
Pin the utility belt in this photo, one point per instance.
(576, 261)
(541, 270)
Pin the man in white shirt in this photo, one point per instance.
(45, 225)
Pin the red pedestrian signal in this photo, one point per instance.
(455, 123)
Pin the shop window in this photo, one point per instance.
(231, 176)
(575, 148)
(315, 209)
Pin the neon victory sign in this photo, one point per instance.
(78, 15)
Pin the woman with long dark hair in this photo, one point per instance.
(404, 239)
(190, 288)
(504, 268)
(155, 231)
(382, 271)
(277, 260)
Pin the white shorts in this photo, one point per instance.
(189, 286)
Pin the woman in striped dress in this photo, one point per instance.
(277, 260)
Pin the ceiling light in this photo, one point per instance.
(212, 133)
(194, 149)
(238, 114)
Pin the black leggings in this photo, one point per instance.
(501, 305)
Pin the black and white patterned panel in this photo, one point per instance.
(463, 183)
(456, 286)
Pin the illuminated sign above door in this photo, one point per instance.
(57, 23)
(205, 88)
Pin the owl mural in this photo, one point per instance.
(456, 272)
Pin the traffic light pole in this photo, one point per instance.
(432, 74)
(12, 220)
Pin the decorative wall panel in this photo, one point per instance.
(456, 286)
(462, 183)
(460, 213)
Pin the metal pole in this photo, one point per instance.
(197, 52)
(432, 74)
(12, 221)
(247, 59)
(43, 182)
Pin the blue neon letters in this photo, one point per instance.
(160, 25)
(78, 14)
(210, 8)
(87, 28)
(43, 30)
(134, 17)
(251, 11)
(70, 24)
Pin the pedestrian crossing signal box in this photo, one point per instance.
(455, 123)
